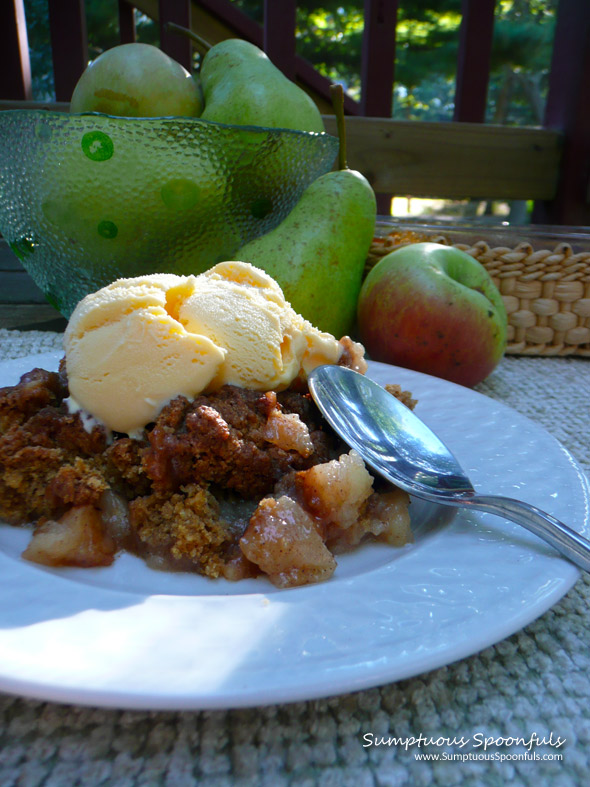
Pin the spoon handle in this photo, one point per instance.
(570, 544)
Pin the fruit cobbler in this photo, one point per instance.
(231, 484)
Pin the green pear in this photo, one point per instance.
(242, 87)
(318, 253)
(137, 80)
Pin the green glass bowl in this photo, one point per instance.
(86, 199)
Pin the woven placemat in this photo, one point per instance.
(532, 685)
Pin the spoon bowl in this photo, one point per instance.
(399, 446)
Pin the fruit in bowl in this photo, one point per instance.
(434, 309)
(242, 85)
(88, 198)
(137, 80)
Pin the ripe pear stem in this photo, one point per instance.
(201, 44)
(337, 95)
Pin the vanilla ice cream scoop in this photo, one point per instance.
(242, 309)
(134, 345)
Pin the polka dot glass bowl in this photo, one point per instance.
(85, 199)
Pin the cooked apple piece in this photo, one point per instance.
(114, 512)
(287, 431)
(237, 566)
(78, 538)
(385, 517)
(336, 491)
(283, 541)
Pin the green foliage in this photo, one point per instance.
(521, 56)
(330, 37)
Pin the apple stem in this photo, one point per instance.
(337, 95)
(201, 44)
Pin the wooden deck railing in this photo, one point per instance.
(464, 158)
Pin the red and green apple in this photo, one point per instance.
(434, 309)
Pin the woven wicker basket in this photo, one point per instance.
(546, 291)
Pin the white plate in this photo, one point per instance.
(129, 637)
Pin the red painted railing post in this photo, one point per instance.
(177, 46)
(473, 62)
(15, 65)
(568, 110)
(378, 68)
(279, 34)
(69, 48)
(378, 58)
(126, 22)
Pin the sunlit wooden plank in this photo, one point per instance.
(453, 160)
(444, 160)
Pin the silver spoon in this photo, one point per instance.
(400, 447)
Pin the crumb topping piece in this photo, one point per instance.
(183, 531)
(405, 397)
